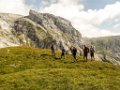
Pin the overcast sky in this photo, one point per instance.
(93, 18)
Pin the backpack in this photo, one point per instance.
(86, 50)
(92, 50)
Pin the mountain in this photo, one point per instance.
(37, 29)
(107, 48)
(43, 29)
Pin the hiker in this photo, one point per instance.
(63, 53)
(92, 50)
(74, 52)
(53, 50)
(85, 51)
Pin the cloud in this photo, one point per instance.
(109, 13)
(14, 6)
(87, 22)
(64, 8)
(90, 23)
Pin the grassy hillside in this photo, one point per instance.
(27, 68)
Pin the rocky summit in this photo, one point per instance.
(37, 29)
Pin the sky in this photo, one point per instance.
(93, 18)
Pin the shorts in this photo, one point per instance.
(92, 54)
(85, 54)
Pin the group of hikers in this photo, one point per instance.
(85, 50)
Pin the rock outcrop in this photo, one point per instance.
(43, 29)
(6, 27)
(40, 30)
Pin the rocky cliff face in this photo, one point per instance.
(39, 30)
(6, 28)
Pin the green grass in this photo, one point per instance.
(27, 68)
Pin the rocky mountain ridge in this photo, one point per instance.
(37, 29)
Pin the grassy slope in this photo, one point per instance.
(26, 68)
